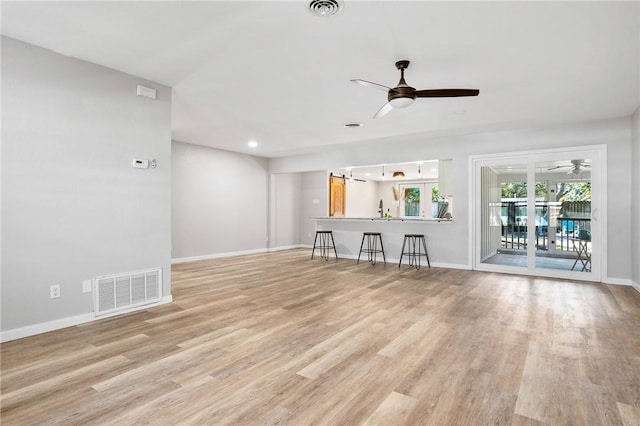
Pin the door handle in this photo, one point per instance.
(594, 214)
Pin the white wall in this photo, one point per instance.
(389, 203)
(72, 205)
(614, 133)
(635, 199)
(362, 198)
(219, 202)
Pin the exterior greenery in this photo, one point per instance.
(565, 191)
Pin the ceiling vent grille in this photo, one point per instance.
(121, 292)
(324, 8)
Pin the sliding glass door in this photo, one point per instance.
(538, 214)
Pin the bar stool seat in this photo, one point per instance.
(325, 244)
(372, 249)
(416, 242)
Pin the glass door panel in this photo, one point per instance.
(566, 208)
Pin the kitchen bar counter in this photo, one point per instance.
(347, 233)
(382, 219)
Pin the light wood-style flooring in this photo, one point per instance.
(278, 338)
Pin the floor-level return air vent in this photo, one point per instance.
(122, 292)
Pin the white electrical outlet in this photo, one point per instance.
(54, 291)
(86, 286)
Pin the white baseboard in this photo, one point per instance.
(617, 281)
(293, 246)
(636, 286)
(217, 255)
(32, 330)
(235, 253)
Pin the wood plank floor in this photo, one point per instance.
(279, 339)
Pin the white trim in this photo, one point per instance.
(604, 246)
(236, 253)
(290, 247)
(451, 266)
(44, 327)
(217, 255)
(618, 281)
(636, 286)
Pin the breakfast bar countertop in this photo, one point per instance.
(383, 219)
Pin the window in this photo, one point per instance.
(417, 200)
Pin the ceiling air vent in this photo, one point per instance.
(324, 8)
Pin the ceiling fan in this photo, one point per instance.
(404, 95)
(576, 167)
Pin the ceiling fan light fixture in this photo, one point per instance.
(399, 103)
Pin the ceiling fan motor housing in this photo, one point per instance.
(401, 97)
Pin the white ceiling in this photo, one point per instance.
(274, 73)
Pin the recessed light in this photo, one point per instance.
(252, 144)
(353, 125)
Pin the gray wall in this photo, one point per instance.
(219, 201)
(314, 202)
(635, 199)
(614, 133)
(72, 205)
(285, 217)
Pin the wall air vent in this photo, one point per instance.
(115, 293)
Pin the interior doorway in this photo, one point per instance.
(538, 213)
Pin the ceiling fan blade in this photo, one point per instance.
(558, 167)
(384, 110)
(371, 84)
(446, 93)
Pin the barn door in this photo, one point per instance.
(337, 196)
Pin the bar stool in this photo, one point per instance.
(324, 244)
(372, 249)
(416, 243)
